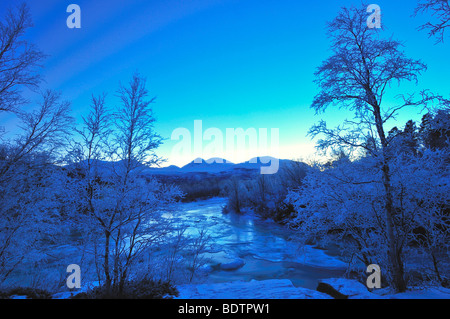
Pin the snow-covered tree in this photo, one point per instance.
(119, 208)
(422, 185)
(236, 194)
(335, 203)
(30, 180)
(361, 68)
(342, 202)
(434, 132)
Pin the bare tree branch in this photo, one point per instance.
(19, 59)
(440, 9)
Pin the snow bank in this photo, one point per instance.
(341, 288)
(421, 293)
(235, 264)
(353, 289)
(266, 289)
(310, 256)
(284, 289)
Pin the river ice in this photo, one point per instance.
(265, 248)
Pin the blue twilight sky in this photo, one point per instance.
(229, 63)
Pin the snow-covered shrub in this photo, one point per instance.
(343, 203)
(335, 204)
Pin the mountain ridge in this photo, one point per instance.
(217, 165)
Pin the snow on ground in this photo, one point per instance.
(356, 290)
(266, 289)
(284, 289)
(351, 288)
(424, 293)
(421, 293)
(314, 257)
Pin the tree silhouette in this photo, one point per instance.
(356, 76)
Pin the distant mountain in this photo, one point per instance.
(169, 170)
(258, 162)
(212, 165)
(217, 165)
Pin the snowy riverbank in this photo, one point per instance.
(284, 289)
(254, 259)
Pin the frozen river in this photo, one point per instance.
(266, 248)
